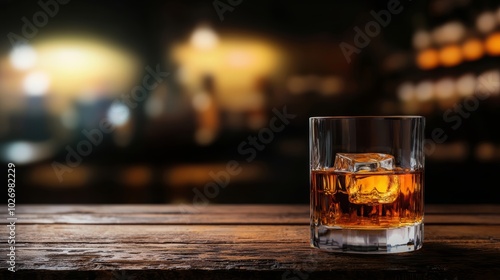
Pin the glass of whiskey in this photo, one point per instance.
(367, 183)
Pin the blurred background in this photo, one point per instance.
(170, 101)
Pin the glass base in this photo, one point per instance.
(368, 241)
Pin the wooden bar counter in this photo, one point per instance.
(234, 242)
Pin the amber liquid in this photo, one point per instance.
(376, 200)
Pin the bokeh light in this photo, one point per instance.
(486, 22)
(450, 55)
(422, 40)
(204, 38)
(424, 91)
(427, 59)
(406, 92)
(118, 114)
(445, 88)
(36, 83)
(473, 49)
(466, 85)
(492, 44)
(23, 57)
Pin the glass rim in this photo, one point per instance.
(372, 117)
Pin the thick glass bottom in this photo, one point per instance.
(368, 241)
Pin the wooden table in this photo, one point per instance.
(235, 242)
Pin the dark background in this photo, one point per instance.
(157, 158)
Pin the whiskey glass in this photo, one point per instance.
(367, 183)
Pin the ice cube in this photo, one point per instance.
(372, 189)
(363, 162)
(370, 177)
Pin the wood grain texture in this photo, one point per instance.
(235, 242)
(227, 208)
(224, 214)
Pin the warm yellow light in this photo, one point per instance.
(70, 68)
(204, 38)
(450, 55)
(473, 49)
(201, 101)
(427, 59)
(237, 65)
(77, 65)
(239, 59)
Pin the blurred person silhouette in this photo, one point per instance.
(207, 112)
